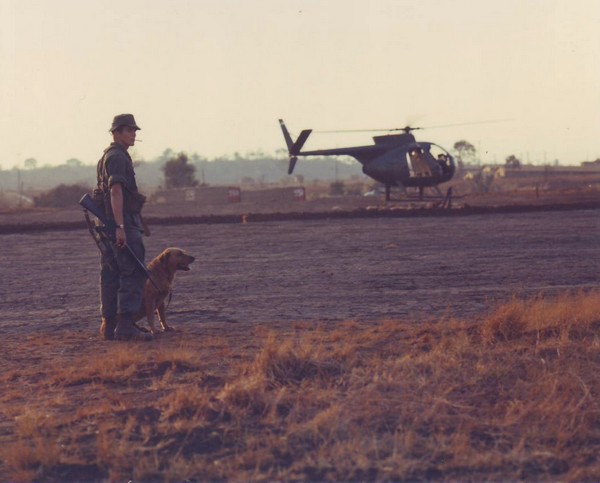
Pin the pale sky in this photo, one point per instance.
(213, 77)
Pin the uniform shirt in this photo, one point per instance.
(117, 167)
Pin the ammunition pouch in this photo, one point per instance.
(134, 202)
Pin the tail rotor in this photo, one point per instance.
(294, 147)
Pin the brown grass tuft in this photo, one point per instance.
(292, 361)
(506, 323)
(542, 317)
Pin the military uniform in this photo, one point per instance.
(121, 280)
(121, 292)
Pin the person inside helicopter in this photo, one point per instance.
(444, 163)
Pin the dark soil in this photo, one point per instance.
(325, 269)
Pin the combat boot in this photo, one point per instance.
(107, 327)
(125, 330)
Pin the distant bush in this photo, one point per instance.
(179, 173)
(62, 196)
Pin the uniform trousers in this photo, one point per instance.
(121, 290)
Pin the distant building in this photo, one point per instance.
(529, 171)
(218, 195)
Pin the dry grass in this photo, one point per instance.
(513, 396)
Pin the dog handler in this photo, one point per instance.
(121, 282)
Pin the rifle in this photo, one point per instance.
(104, 235)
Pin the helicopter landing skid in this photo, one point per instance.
(443, 200)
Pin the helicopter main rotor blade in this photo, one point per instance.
(352, 130)
(467, 123)
(410, 128)
(405, 129)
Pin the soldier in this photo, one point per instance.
(121, 282)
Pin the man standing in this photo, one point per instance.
(121, 281)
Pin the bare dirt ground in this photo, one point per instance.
(278, 274)
(319, 270)
(318, 205)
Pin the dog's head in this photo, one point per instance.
(176, 259)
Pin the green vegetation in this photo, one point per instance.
(63, 196)
(466, 153)
(512, 396)
(225, 170)
(179, 173)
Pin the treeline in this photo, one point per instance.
(221, 171)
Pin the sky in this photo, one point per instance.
(212, 77)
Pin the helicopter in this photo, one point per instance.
(393, 160)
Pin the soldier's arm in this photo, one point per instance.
(116, 201)
(116, 170)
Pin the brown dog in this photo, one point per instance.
(162, 270)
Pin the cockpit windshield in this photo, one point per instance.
(428, 159)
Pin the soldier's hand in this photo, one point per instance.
(120, 237)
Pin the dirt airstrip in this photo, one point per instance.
(321, 269)
(290, 271)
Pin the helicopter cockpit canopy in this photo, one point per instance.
(429, 159)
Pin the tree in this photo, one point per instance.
(467, 154)
(282, 153)
(513, 162)
(165, 156)
(73, 162)
(30, 163)
(197, 158)
(179, 173)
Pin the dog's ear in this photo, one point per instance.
(164, 256)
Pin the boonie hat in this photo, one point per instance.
(123, 120)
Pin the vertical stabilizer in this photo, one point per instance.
(294, 147)
(286, 135)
